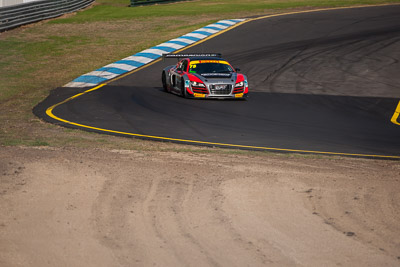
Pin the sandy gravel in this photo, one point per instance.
(89, 207)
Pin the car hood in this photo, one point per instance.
(217, 77)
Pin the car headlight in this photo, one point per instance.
(196, 84)
(241, 84)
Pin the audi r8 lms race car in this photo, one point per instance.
(203, 76)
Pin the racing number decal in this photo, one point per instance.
(199, 95)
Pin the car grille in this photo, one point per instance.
(221, 89)
(200, 90)
(238, 90)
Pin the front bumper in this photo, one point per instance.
(211, 92)
(228, 96)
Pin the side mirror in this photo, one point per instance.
(237, 69)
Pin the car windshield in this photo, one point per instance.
(201, 68)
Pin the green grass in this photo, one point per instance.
(22, 142)
(37, 58)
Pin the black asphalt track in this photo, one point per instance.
(325, 81)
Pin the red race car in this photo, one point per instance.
(203, 76)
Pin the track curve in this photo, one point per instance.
(322, 82)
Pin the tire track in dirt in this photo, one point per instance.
(132, 208)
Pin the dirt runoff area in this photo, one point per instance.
(93, 207)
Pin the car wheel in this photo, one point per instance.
(164, 81)
(183, 89)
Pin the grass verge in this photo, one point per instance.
(39, 57)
